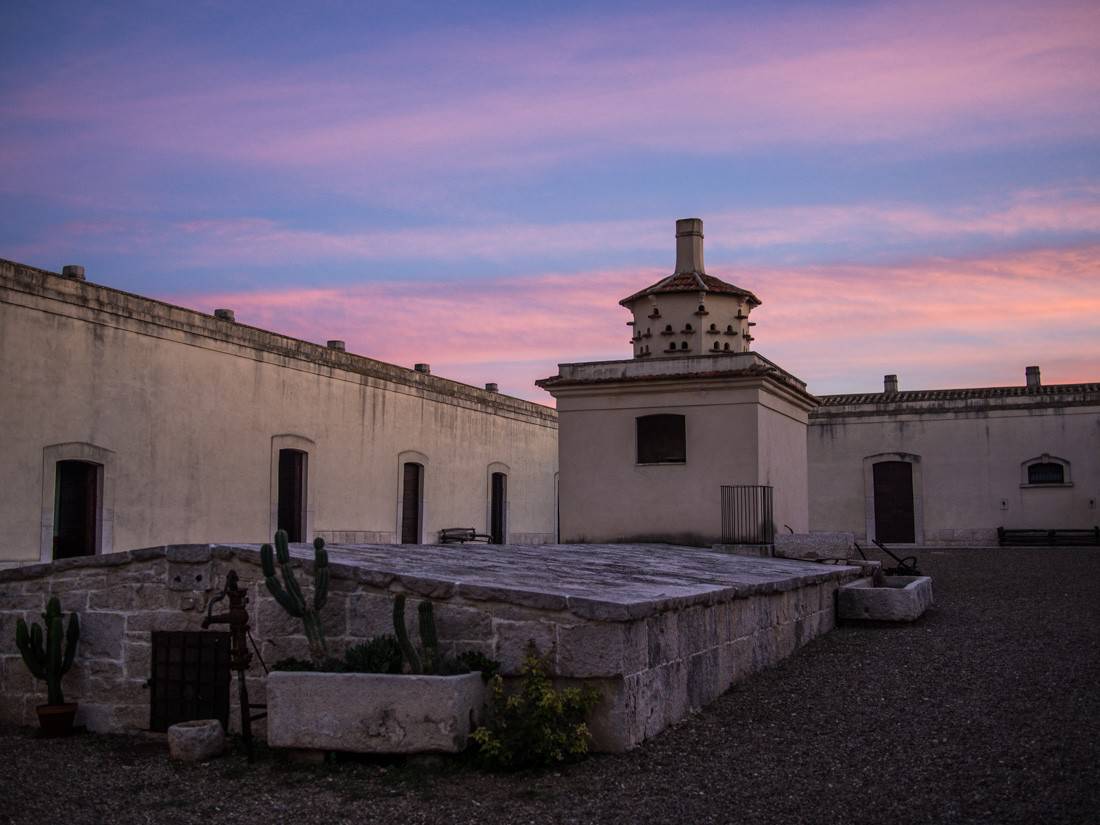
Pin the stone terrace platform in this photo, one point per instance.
(660, 630)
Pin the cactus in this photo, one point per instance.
(46, 662)
(290, 595)
(429, 641)
(430, 663)
(403, 635)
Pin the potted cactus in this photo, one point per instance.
(47, 662)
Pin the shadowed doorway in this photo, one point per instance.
(292, 493)
(894, 510)
(76, 509)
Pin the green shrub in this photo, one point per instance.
(382, 654)
(536, 725)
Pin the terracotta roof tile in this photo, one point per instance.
(963, 394)
(692, 282)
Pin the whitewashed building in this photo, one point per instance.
(128, 422)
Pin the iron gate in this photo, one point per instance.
(190, 678)
(747, 514)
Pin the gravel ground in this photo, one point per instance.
(986, 710)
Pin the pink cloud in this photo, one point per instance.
(958, 74)
(946, 322)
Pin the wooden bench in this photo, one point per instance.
(461, 535)
(1048, 538)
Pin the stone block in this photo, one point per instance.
(698, 630)
(370, 614)
(601, 649)
(11, 599)
(614, 723)
(15, 679)
(133, 597)
(190, 577)
(196, 741)
(514, 638)
(663, 638)
(462, 623)
(101, 635)
(137, 659)
(93, 679)
(130, 718)
(372, 712)
(734, 662)
(98, 717)
(703, 683)
(904, 599)
(145, 622)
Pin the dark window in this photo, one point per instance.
(498, 507)
(76, 514)
(292, 493)
(1046, 473)
(661, 439)
(410, 503)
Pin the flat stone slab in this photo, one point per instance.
(904, 599)
(372, 712)
(605, 582)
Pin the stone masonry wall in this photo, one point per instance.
(653, 667)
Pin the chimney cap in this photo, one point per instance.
(424, 368)
(689, 226)
(74, 271)
(337, 344)
(225, 314)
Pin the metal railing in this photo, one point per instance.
(747, 514)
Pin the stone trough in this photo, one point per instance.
(660, 630)
(903, 599)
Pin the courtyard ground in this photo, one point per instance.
(987, 710)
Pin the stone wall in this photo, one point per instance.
(653, 661)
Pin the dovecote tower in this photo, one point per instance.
(690, 312)
(695, 434)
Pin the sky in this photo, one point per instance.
(910, 188)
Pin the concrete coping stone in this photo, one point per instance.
(602, 582)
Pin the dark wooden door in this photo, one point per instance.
(498, 507)
(292, 493)
(410, 504)
(894, 502)
(77, 509)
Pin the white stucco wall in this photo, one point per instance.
(187, 407)
(606, 496)
(968, 464)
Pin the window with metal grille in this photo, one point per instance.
(661, 439)
(1046, 472)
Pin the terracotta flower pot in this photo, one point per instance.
(56, 720)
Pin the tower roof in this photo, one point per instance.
(692, 282)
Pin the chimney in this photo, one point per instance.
(689, 245)
(225, 315)
(73, 271)
(491, 387)
(1032, 374)
(424, 368)
(889, 383)
(338, 345)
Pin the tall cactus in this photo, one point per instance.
(47, 662)
(290, 595)
(431, 662)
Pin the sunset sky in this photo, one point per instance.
(909, 187)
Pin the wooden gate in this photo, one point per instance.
(894, 520)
